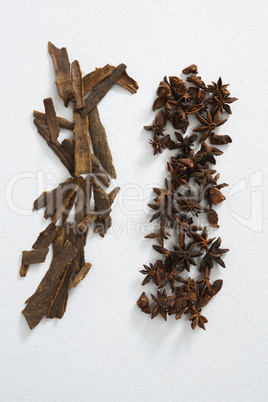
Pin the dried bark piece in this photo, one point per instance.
(80, 276)
(101, 89)
(102, 202)
(55, 146)
(102, 225)
(39, 302)
(104, 221)
(63, 73)
(59, 240)
(65, 202)
(92, 79)
(86, 222)
(79, 237)
(100, 143)
(43, 199)
(58, 195)
(46, 237)
(58, 304)
(82, 152)
(101, 175)
(51, 119)
(128, 83)
(63, 123)
(68, 144)
(216, 139)
(113, 194)
(34, 256)
(23, 269)
(77, 82)
(65, 214)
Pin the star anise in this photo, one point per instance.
(197, 319)
(159, 309)
(203, 175)
(190, 285)
(183, 302)
(159, 144)
(143, 303)
(221, 102)
(218, 88)
(197, 81)
(170, 278)
(184, 255)
(207, 154)
(192, 69)
(150, 273)
(164, 203)
(213, 254)
(178, 177)
(204, 283)
(213, 218)
(202, 240)
(160, 235)
(214, 195)
(184, 225)
(208, 124)
(183, 162)
(164, 94)
(197, 94)
(207, 295)
(179, 90)
(186, 143)
(159, 124)
(177, 117)
(191, 204)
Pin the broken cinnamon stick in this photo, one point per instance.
(100, 143)
(82, 152)
(39, 302)
(63, 73)
(43, 199)
(92, 79)
(58, 304)
(77, 82)
(46, 237)
(101, 175)
(100, 90)
(63, 123)
(34, 256)
(128, 83)
(51, 118)
(55, 146)
(81, 275)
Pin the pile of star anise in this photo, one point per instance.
(191, 188)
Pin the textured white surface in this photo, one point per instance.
(104, 349)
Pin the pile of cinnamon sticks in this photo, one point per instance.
(68, 239)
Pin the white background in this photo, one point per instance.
(105, 349)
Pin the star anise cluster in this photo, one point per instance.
(191, 188)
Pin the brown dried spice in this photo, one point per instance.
(99, 141)
(51, 119)
(39, 302)
(100, 90)
(68, 265)
(173, 206)
(63, 73)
